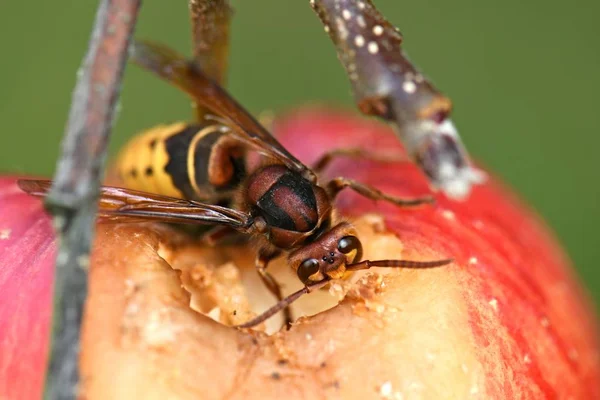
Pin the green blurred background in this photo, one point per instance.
(524, 76)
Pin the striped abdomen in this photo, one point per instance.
(198, 162)
(292, 207)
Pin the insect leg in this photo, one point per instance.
(336, 185)
(218, 234)
(262, 261)
(284, 303)
(355, 153)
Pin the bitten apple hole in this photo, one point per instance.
(223, 283)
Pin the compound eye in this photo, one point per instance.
(349, 244)
(308, 268)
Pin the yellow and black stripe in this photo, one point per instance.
(191, 161)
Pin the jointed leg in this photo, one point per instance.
(336, 185)
(262, 261)
(356, 153)
(286, 302)
(282, 304)
(218, 234)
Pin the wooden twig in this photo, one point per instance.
(72, 199)
(386, 84)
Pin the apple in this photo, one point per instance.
(27, 251)
(508, 319)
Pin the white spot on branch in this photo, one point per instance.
(373, 48)
(359, 41)
(83, 261)
(409, 87)
(361, 21)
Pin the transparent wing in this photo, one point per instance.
(124, 205)
(190, 78)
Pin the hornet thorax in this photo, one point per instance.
(294, 210)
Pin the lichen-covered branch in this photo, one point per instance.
(72, 200)
(386, 84)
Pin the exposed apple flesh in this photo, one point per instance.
(507, 320)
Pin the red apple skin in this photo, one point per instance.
(27, 251)
(519, 274)
(535, 330)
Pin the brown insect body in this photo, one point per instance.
(281, 203)
(289, 205)
(295, 215)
